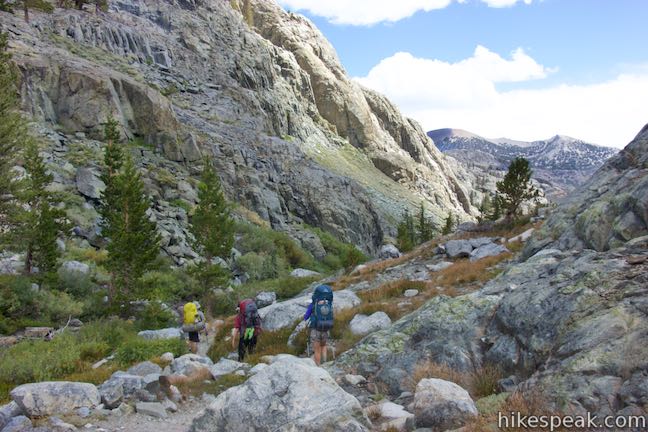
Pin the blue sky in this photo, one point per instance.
(581, 67)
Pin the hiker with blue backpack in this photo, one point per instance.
(320, 317)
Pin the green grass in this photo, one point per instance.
(69, 356)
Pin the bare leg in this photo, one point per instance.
(323, 351)
(317, 349)
(193, 347)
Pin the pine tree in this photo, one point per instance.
(485, 207)
(41, 224)
(133, 239)
(516, 187)
(449, 225)
(406, 237)
(497, 208)
(113, 162)
(424, 226)
(41, 5)
(13, 132)
(212, 225)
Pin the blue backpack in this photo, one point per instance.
(322, 315)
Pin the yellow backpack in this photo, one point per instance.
(190, 312)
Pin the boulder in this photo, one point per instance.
(145, 368)
(480, 241)
(189, 363)
(225, 367)
(388, 251)
(285, 314)
(439, 266)
(265, 298)
(55, 398)
(458, 248)
(304, 273)
(487, 250)
(112, 393)
(167, 333)
(290, 394)
(151, 383)
(153, 409)
(363, 324)
(7, 412)
(522, 237)
(130, 383)
(11, 264)
(18, 424)
(76, 267)
(89, 184)
(258, 368)
(442, 405)
(167, 357)
(38, 332)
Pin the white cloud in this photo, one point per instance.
(368, 12)
(464, 95)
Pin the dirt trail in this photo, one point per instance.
(176, 422)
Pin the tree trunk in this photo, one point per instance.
(26, 10)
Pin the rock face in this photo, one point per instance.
(290, 394)
(54, 398)
(293, 137)
(610, 209)
(566, 320)
(442, 405)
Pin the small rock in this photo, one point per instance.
(304, 273)
(388, 251)
(354, 380)
(265, 298)
(439, 266)
(411, 293)
(83, 412)
(144, 396)
(153, 409)
(58, 425)
(522, 237)
(225, 367)
(169, 405)
(7, 412)
(508, 384)
(167, 357)
(175, 394)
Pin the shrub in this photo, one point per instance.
(352, 256)
(93, 351)
(78, 284)
(219, 304)
(265, 241)
(161, 285)
(137, 349)
(262, 266)
(19, 302)
(154, 317)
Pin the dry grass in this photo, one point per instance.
(373, 412)
(530, 403)
(466, 272)
(92, 376)
(479, 383)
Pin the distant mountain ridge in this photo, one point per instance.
(560, 163)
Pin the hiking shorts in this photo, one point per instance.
(194, 337)
(317, 336)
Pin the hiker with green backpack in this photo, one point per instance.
(320, 317)
(247, 327)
